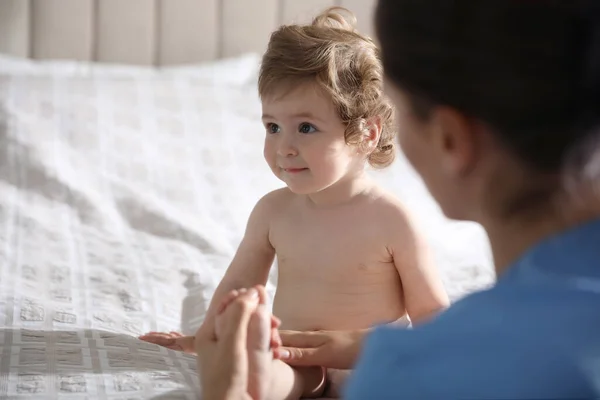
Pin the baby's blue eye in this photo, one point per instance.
(306, 128)
(273, 128)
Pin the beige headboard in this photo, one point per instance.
(153, 32)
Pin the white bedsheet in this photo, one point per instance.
(123, 197)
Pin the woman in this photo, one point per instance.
(498, 103)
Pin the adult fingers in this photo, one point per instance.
(299, 348)
(275, 339)
(299, 357)
(275, 322)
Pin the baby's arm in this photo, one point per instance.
(249, 267)
(424, 292)
(254, 257)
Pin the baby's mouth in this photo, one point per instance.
(294, 170)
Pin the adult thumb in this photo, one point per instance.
(296, 357)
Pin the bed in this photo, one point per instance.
(130, 158)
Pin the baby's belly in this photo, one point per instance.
(311, 306)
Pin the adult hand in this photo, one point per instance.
(331, 349)
(233, 348)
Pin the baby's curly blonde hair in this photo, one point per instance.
(344, 64)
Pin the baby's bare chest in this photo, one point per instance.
(329, 249)
(333, 274)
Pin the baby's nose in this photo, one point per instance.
(287, 148)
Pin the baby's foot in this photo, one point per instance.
(223, 306)
(171, 340)
(275, 339)
(259, 338)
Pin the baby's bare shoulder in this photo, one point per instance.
(266, 212)
(274, 202)
(387, 205)
(281, 196)
(391, 214)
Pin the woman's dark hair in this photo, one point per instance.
(530, 69)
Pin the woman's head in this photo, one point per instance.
(492, 96)
(345, 67)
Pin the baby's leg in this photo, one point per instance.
(336, 378)
(294, 383)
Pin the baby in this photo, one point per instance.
(348, 254)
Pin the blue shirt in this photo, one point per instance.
(534, 335)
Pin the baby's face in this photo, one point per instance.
(304, 143)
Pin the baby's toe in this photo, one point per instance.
(229, 297)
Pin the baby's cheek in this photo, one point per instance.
(272, 164)
(339, 162)
(268, 152)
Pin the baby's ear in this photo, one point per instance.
(372, 132)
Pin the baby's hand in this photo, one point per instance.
(176, 341)
(171, 340)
